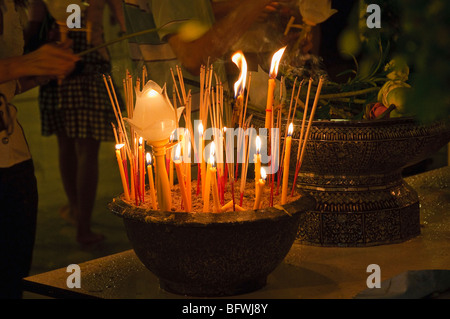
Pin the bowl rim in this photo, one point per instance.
(406, 120)
(126, 211)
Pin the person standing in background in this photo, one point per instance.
(78, 110)
(18, 187)
(217, 26)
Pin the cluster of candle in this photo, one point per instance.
(174, 157)
(132, 174)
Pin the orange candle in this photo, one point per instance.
(269, 105)
(188, 175)
(171, 165)
(287, 155)
(180, 177)
(182, 153)
(141, 168)
(122, 171)
(260, 189)
(201, 159)
(215, 190)
(207, 186)
(151, 181)
(132, 178)
(239, 86)
(271, 86)
(257, 161)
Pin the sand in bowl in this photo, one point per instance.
(247, 203)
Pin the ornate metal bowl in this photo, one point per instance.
(353, 169)
(212, 254)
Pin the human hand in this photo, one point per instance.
(53, 60)
(284, 8)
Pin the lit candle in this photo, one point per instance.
(183, 151)
(257, 161)
(207, 185)
(171, 164)
(271, 86)
(132, 177)
(201, 159)
(221, 170)
(260, 189)
(122, 172)
(225, 173)
(208, 178)
(188, 175)
(141, 168)
(239, 86)
(151, 182)
(287, 155)
(215, 189)
(180, 177)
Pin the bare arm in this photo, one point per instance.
(217, 41)
(49, 60)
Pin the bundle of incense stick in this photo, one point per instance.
(121, 137)
(288, 121)
(241, 123)
(185, 138)
(133, 153)
(304, 135)
(213, 114)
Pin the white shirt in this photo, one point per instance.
(13, 147)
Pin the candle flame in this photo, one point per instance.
(291, 129)
(152, 93)
(140, 140)
(258, 144)
(263, 173)
(177, 152)
(213, 149)
(119, 146)
(149, 158)
(200, 129)
(276, 62)
(239, 59)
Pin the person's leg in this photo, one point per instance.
(18, 212)
(87, 180)
(68, 170)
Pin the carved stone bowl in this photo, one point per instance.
(212, 254)
(353, 169)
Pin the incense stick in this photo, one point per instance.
(311, 119)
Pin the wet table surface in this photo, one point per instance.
(307, 271)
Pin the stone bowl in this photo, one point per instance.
(353, 169)
(212, 254)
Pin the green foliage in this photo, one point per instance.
(425, 45)
(415, 33)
